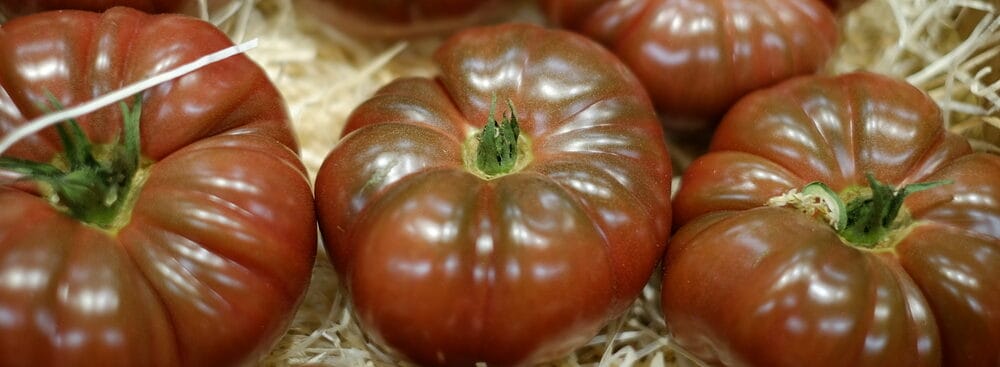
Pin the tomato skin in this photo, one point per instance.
(220, 244)
(450, 268)
(843, 6)
(698, 57)
(746, 284)
(24, 7)
(401, 18)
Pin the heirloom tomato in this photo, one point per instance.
(400, 18)
(198, 252)
(12, 8)
(697, 57)
(887, 252)
(509, 245)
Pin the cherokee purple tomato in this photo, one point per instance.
(697, 57)
(452, 267)
(746, 284)
(210, 261)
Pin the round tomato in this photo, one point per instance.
(201, 255)
(400, 18)
(505, 246)
(697, 57)
(852, 272)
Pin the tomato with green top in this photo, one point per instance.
(510, 243)
(835, 222)
(176, 230)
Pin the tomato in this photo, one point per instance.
(22, 7)
(697, 57)
(451, 264)
(214, 240)
(749, 284)
(400, 18)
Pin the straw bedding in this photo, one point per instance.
(945, 47)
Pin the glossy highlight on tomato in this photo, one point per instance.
(214, 254)
(746, 284)
(698, 57)
(450, 265)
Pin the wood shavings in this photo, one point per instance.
(323, 74)
(927, 45)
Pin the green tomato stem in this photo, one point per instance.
(497, 151)
(869, 219)
(95, 191)
(79, 152)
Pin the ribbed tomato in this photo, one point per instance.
(199, 253)
(860, 275)
(697, 57)
(505, 246)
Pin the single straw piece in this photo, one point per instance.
(95, 104)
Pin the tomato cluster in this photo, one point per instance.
(502, 211)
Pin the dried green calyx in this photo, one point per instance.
(864, 221)
(497, 152)
(94, 184)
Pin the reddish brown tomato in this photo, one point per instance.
(400, 18)
(12, 8)
(219, 244)
(746, 284)
(697, 57)
(452, 268)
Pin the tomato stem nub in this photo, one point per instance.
(497, 151)
(90, 189)
(870, 218)
(866, 220)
